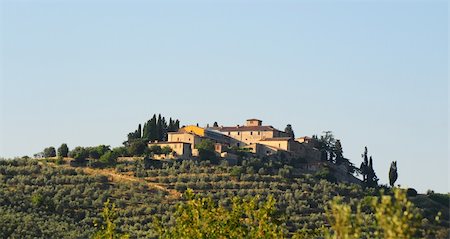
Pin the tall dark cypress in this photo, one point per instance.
(153, 133)
(139, 132)
(338, 152)
(145, 130)
(163, 129)
(177, 125)
(159, 130)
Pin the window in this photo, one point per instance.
(229, 133)
(259, 133)
(251, 132)
(238, 133)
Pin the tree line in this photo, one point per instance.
(155, 129)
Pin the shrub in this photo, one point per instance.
(49, 152)
(203, 218)
(107, 229)
(411, 192)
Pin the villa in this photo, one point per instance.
(253, 136)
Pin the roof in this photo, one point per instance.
(247, 128)
(169, 143)
(277, 139)
(254, 120)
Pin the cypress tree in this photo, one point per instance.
(159, 130)
(145, 131)
(170, 126)
(393, 175)
(338, 152)
(177, 125)
(163, 129)
(139, 132)
(153, 133)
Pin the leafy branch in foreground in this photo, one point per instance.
(202, 218)
(395, 218)
(107, 230)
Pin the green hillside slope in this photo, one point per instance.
(45, 200)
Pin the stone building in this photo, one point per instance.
(254, 136)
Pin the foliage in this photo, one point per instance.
(155, 129)
(394, 217)
(108, 159)
(108, 229)
(443, 199)
(156, 149)
(338, 152)
(166, 150)
(120, 151)
(137, 148)
(289, 131)
(411, 192)
(79, 154)
(344, 224)
(49, 152)
(203, 218)
(63, 150)
(370, 179)
(206, 151)
(393, 175)
(325, 173)
(68, 199)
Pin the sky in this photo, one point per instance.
(375, 73)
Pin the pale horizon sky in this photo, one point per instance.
(373, 72)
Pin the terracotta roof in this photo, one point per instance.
(277, 139)
(247, 128)
(169, 143)
(253, 120)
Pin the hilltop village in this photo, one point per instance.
(254, 137)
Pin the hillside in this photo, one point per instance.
(47, 200)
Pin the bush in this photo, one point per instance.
(166, 150)
(49, 152)
(63, 150)
(326, 174)
(79, 154)
(156, 149)
(109, 159)
(411, 192)
(236, 171)
(206, 151)
(60, 160)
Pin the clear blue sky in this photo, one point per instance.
(373, 72)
